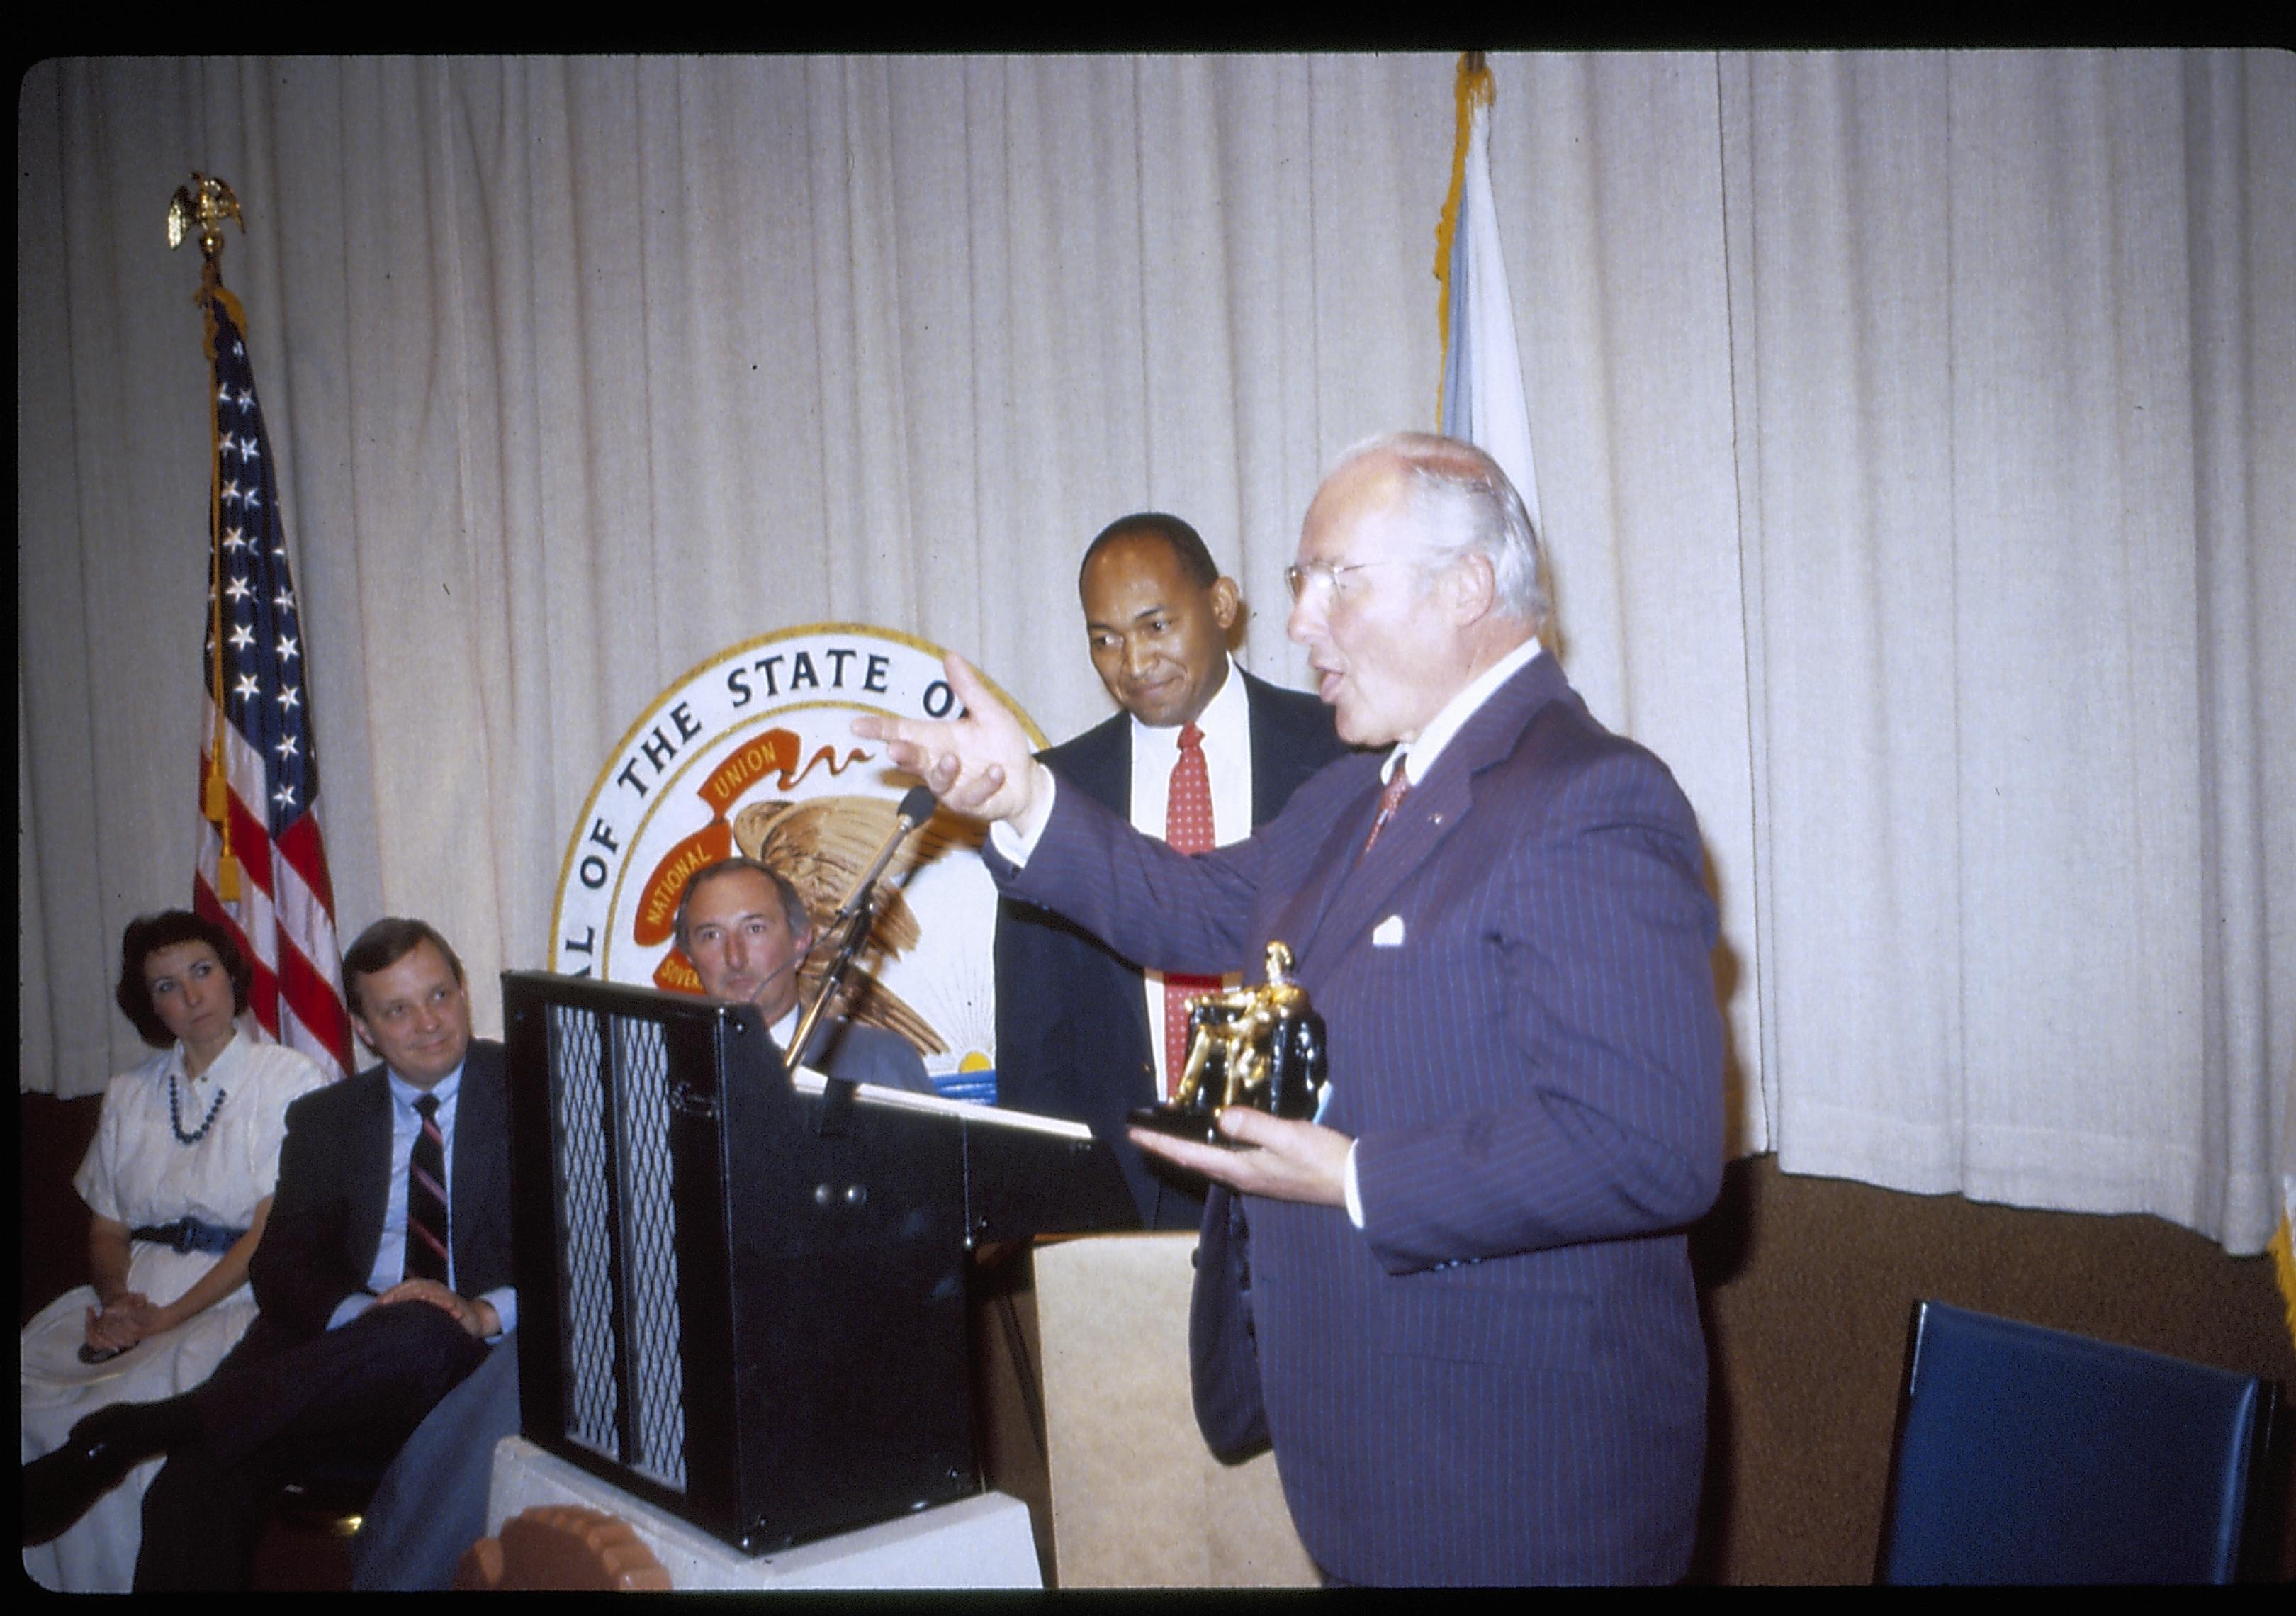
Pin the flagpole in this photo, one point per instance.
(204, 204)
(261, 869)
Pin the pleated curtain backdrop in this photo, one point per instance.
(1912, 435)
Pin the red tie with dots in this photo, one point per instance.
(1390, 800)
(1188, 827)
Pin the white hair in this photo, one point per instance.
(1465, 502)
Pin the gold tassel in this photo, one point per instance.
(217, 798)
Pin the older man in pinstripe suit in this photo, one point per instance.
(1467, 1317)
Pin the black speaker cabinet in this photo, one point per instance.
(744, 1301)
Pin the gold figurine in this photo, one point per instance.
(1260, 1046)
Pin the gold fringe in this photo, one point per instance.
(216, 800)
(2284, 1264)
(1473, 88)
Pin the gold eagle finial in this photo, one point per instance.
(202, 206)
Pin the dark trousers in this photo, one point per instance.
(280, 1406)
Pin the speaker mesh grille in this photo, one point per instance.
(618, 1250)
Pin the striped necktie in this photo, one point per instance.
(426, 1197)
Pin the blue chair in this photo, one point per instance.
(2030, 1456)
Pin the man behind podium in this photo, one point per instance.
(1470, 1330)
(1201, 749)
(746, 931)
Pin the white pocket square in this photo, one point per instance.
(1387, 933)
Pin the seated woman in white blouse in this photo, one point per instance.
(179, 1178)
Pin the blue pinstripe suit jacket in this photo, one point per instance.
(1502, 1377)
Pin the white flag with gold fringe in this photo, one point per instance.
(1483, 400)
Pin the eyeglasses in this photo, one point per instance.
(1314, 575)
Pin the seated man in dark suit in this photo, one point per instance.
(1079, 1033)
(745, 930)
(384, 1273)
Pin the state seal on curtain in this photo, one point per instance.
(753, 751)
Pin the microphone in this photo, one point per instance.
(852, 914)
(915, 809)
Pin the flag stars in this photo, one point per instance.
(252, 633)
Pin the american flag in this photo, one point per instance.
(263, 866)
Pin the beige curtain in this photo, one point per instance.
(2015, 411)
(1911, 436)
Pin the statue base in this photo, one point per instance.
(1203, 1126)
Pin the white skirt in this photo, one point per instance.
(98, 1554)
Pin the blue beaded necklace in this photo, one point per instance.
(175, 1114)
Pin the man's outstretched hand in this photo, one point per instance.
(980, 764)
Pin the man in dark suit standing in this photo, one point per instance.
(382, 1274)
(1467, 1322)
(1081, 1033)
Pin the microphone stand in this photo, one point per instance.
(852, 922)
(855, 924)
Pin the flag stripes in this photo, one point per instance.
(262, 862)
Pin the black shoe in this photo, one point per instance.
(61, 1487)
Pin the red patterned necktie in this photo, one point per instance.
(1188, 827)
(1398, 785)
(426, 1197)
